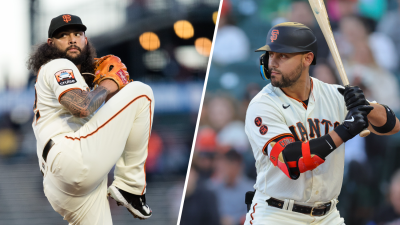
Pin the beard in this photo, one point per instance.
(77, 60)
(45, 53)
(288, 79)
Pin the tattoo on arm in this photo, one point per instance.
(82, 103)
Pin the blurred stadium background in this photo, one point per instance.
(164, 43)
(368, 36)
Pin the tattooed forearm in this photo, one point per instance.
(81, 103)
(97, 99)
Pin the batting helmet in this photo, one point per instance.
(287, 37)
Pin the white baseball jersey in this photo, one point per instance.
(51, 118)
(86, 149)
(273, 114)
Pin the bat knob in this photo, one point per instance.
(365, 133)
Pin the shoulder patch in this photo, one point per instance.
(258, 121)
(263, 129)
(65, 77)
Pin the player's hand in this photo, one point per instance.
(356, 119)
(353, 96)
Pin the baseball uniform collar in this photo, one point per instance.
(310, 99)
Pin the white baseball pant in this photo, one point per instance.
(75, 181)
(262, 214)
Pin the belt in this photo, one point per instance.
(320, 210)
(46, 151)
(47, 148)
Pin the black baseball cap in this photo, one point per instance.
(65, 20)
(291, 37)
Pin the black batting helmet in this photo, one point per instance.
(289, 37)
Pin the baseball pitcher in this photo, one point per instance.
(77, 147)
(297, 126)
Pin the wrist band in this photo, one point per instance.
(390, 121)
(343, 133)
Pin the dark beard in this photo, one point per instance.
(44, 53)
(286, 80)
(79, 59)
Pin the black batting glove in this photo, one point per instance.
(353, 96)
(356, 121)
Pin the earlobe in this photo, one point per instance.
(49, 41)
(309, 58)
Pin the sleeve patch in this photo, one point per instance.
(258, 121)
(285, 141)
(65, 77)
(263, 129)
(267, 147)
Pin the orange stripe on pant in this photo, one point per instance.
(79, 138)
(126, 106)
(251, 215)
(148, 142)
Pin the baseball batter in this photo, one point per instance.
(297, 126)
(77, 147)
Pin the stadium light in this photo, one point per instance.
(149, 41)
(203, 46)
(215, 16)
(184, 29)
(156, 60)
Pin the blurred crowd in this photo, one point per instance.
(223, 170)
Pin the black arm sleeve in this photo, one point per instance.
(321, 147)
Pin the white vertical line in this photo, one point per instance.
(199, 114)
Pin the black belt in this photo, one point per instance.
(47, 148)
(320, 210)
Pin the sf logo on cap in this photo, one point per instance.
(66, 18)
(274, 35)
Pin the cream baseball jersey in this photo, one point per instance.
(272, 115)
(51, 118)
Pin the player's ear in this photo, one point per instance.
(50, 41)
(308, 58)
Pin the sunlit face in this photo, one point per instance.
(285, 68)
(70, 40)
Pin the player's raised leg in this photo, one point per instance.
(129, 186)
(104, 138)
(95, 148)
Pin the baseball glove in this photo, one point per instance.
(111, 67)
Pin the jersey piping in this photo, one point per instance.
(273, 139)
(304, 105)
(62, 93)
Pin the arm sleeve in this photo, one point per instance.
(62, 76)
(265, 124)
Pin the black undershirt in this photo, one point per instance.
(306, 102)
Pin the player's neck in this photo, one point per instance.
(301, 89)
(79, 67)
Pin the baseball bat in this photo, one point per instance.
(319, 10)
